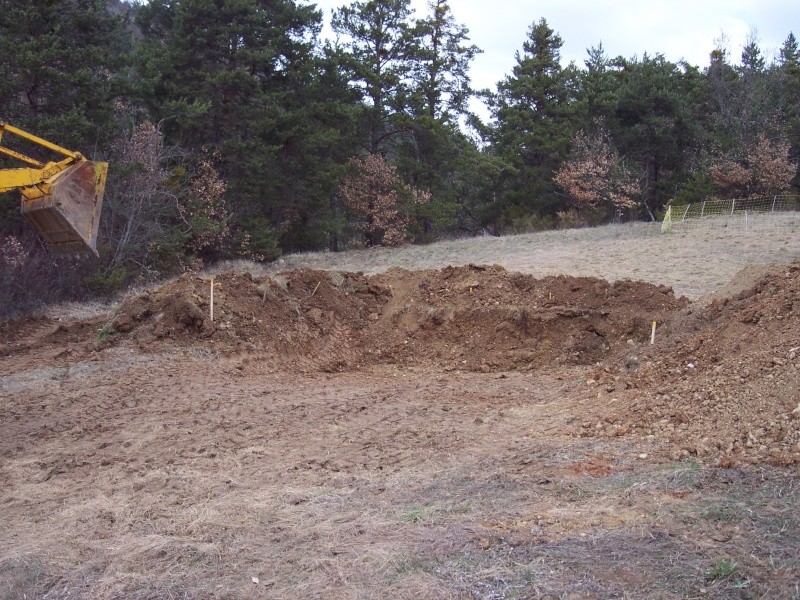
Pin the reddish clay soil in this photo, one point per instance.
(724, 384)
(470, 318)
(465, 432)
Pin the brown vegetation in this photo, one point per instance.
(596, 175)
(766, 169)
(380, 202)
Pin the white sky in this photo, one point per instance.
(679, 29)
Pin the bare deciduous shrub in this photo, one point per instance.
(765, 169)
(164, 214)
(12, 252)
(571, 219)
(595, 174)
(380, 201)
(141, 199)
(30, 277)
(202, 208)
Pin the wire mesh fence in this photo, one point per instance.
(747, 214)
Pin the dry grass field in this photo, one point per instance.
(451, 433)
(694, 262)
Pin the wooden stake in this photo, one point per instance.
(212, 299)
(653, 334)
(315, 289)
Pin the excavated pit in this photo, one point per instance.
(720, 383)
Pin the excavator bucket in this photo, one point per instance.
(66, 210)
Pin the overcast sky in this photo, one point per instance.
(679, 29)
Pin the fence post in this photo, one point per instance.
(667, 222)
(703, 209)
(733, 205)
(774, 199)
(211, 307)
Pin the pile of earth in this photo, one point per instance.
(471, 318)
(723, 384)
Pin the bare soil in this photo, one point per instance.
(457, 432)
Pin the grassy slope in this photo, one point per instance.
(693, 262)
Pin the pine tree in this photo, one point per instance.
(721, 82)
(431, 154)
(599, 85)
(657, 124)
(534, 109)
(790, 51)
(59, 79)
(756, 109)
(786, 82)
(441, 75)
(234, 63)
(241, 77)
(381, 48)
(326, 133)
(61, 69)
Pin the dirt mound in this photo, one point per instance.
(725, 384)
(302, 317)
(471, 318)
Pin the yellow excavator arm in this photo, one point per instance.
(62, 199)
